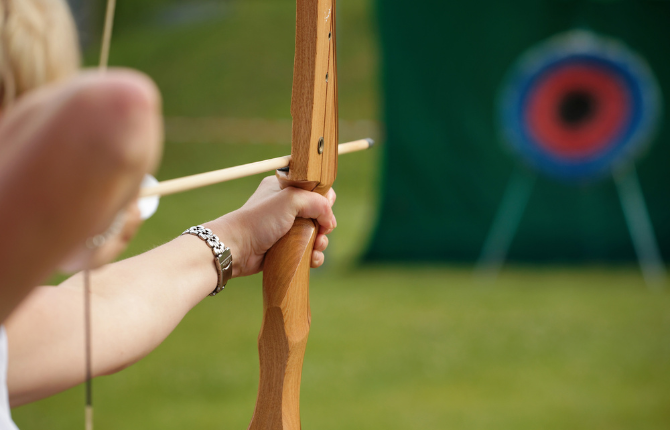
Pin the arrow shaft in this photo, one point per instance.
(200, 180)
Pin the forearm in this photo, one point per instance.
(136, 303)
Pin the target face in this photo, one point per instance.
(579, 105)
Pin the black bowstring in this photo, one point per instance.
(88, 349)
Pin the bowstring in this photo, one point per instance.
(88, 410)
(107, 35)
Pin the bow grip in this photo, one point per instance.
(283, 336)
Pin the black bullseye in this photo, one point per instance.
(576, 108)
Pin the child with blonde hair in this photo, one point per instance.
(74, 147)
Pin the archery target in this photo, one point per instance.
(579, 105)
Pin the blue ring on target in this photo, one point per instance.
(578, 106)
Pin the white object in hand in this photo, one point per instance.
(148, 205)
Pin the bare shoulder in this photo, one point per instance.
(116, 95)
(113, 117)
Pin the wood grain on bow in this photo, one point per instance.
(313, 166)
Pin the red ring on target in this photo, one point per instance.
(602, 103)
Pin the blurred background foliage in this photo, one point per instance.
(391, 347)
(235, 58)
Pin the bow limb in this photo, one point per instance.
(313, 167)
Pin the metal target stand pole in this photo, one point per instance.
(514, 202)
(505, 224)
(640, 227)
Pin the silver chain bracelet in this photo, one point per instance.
(223, 257)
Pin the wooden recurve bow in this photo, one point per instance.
(313, 166)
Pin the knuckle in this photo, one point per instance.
(325, 206)
(290, 193)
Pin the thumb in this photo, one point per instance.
(306, 204)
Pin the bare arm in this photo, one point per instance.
(137, 302)
(71, 156)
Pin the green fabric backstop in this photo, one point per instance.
(445, 168)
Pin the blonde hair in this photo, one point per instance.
(38, 45)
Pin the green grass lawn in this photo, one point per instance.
(397, 347)
(406, 348)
